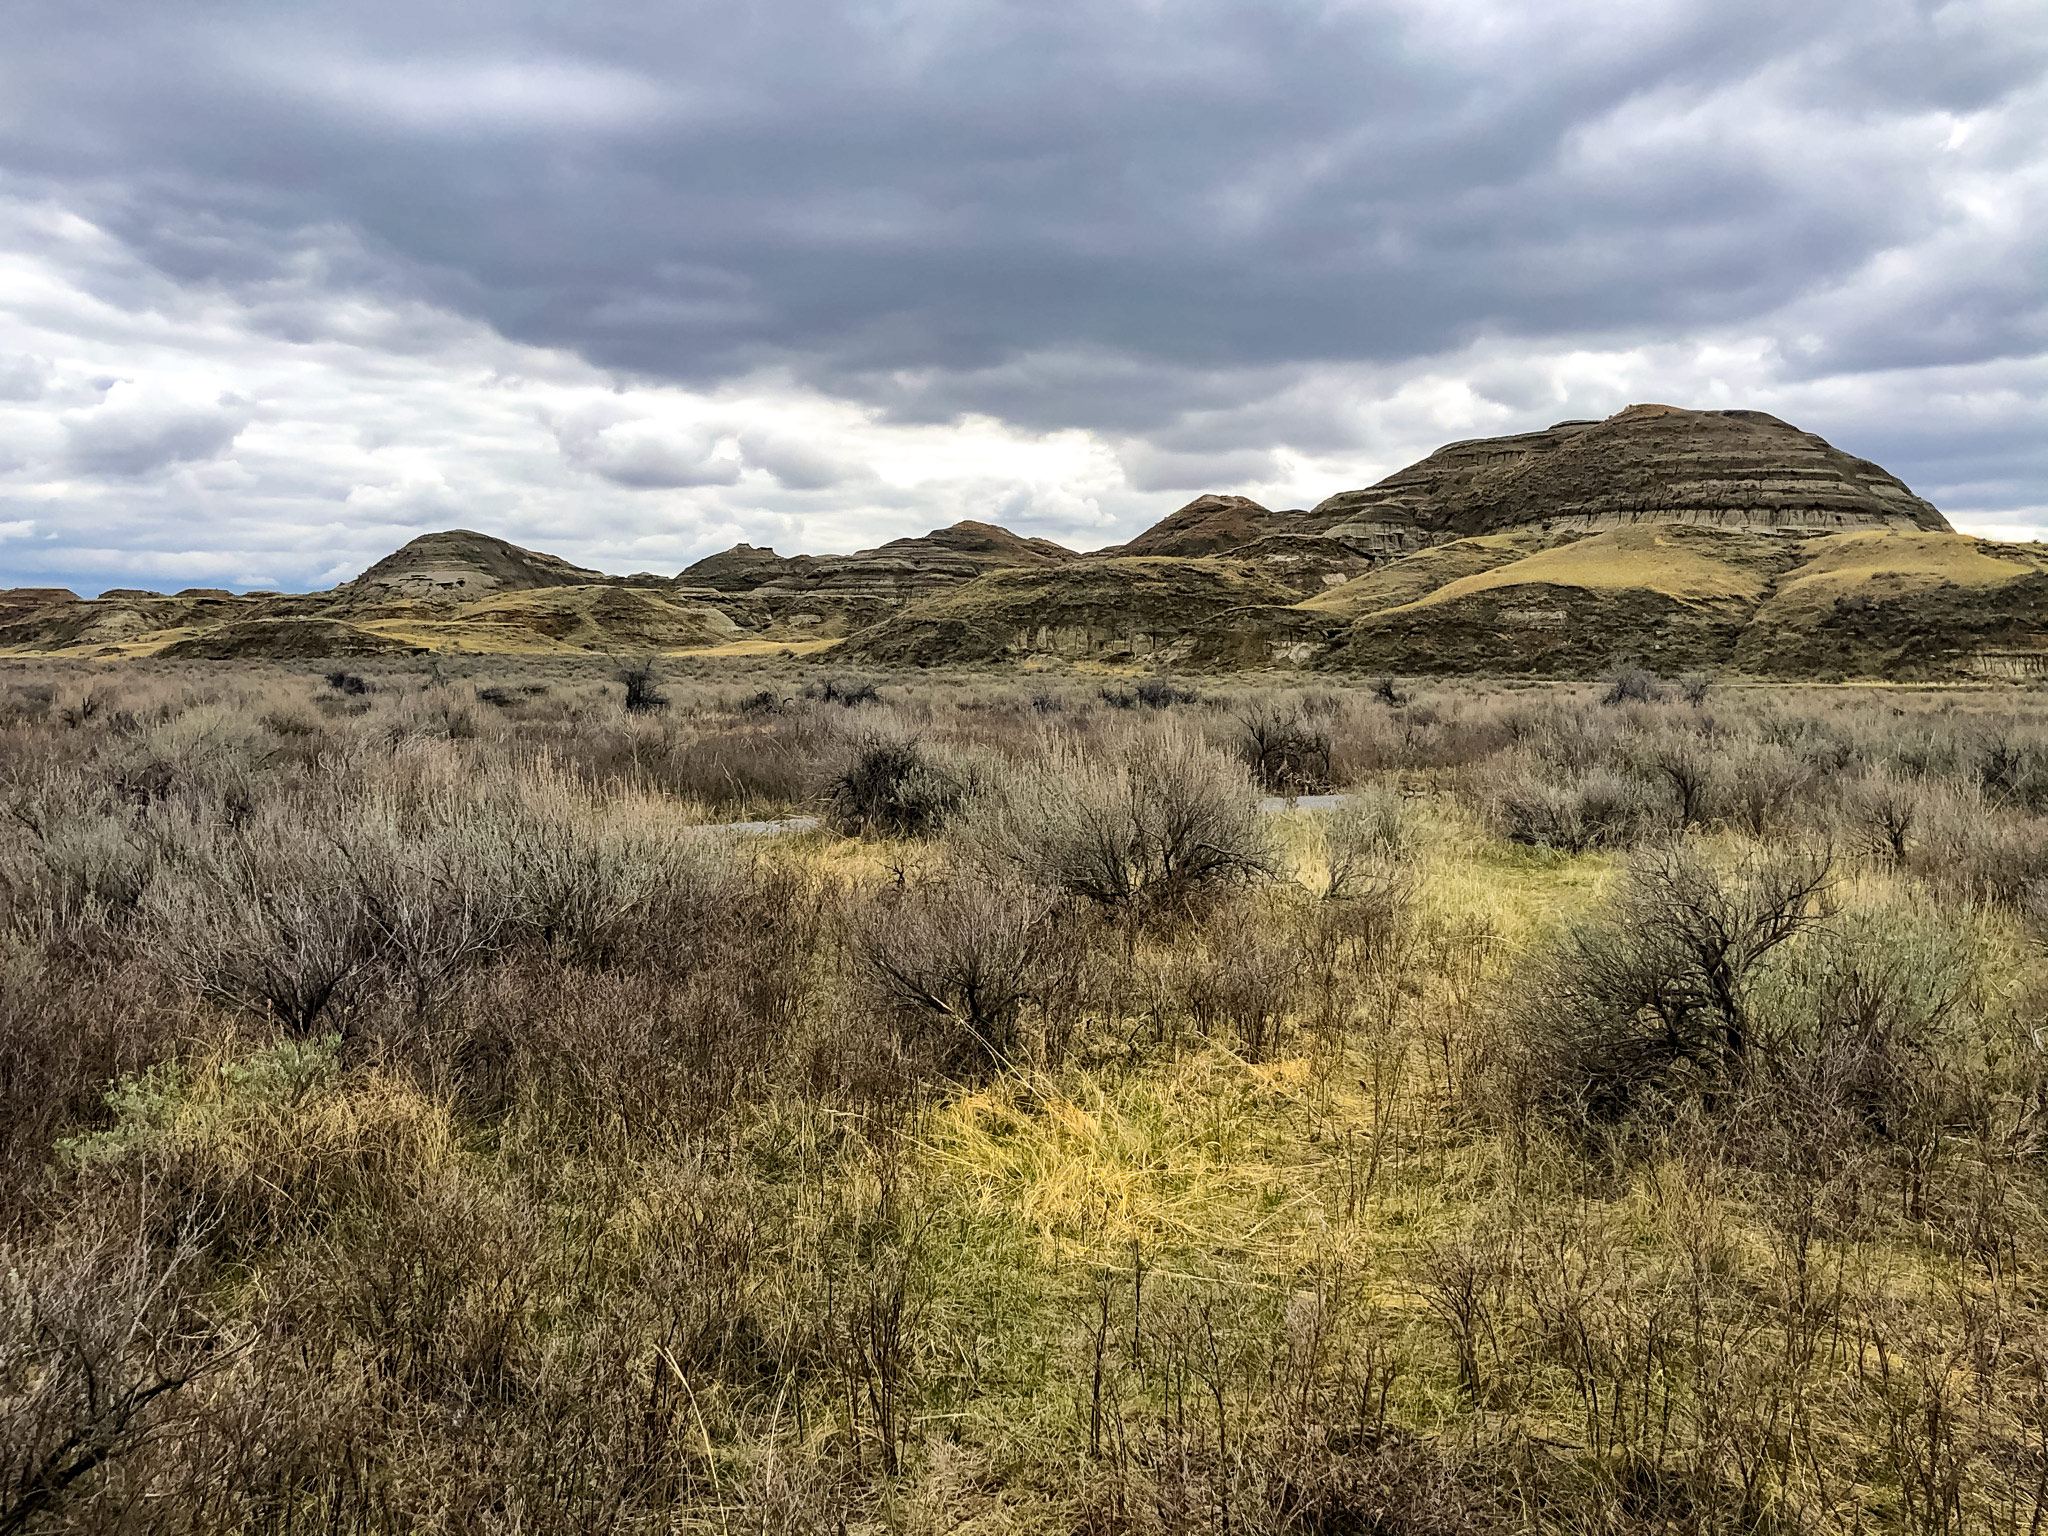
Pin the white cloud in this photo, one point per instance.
(648, 455)
(465, 94)
(23, 377)
(137, 429)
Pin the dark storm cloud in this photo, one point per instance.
(954, 206)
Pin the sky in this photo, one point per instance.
(283, 286)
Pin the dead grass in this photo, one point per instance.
(614, 1194)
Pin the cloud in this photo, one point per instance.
(1150, 469)
(467, 95)
(135, 431)
(23, 377)
(798, 463)
(649, 455)
(630, 282)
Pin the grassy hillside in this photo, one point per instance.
(1676, 597)
(1675, 560)
(1417, 575)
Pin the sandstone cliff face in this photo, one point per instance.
(1647, 464)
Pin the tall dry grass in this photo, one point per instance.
(1624, 1113)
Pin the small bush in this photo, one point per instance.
(1569, 810)
(847, 691)
(642, 694)
(1762, 785)
(1145, 832)
(956, 962)
(1884, 813)
(1653, 1001)
(1978, 851)
(511, 697)
(1364, 843)
(347, 683)
(1152, 693)
(1688, 769)
(99, 1364)
(265, 918)
(894, 788)
(1287, 747)
(1631, 685)
(1243, 979)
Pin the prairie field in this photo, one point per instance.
(538, 1096)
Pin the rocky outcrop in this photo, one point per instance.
(1208, 525)
(459, 566)
(731, 571)
(838, 594)
(1647, 464)
(29, 604)
(1084, 610)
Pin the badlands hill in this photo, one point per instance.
(1661, 537)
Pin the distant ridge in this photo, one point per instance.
(1662, 537)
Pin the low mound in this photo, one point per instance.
(286, 640)
(739, 569)
(1088, 610)
(1208, 525)
(832, 595)
(983, 544)
(461, 566)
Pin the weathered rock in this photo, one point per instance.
(739, 569)
(1116, 609)
(459, 566)
(1649, 463)
(113, 619)
(1208, 525)
(837, 594)
(18, 604)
